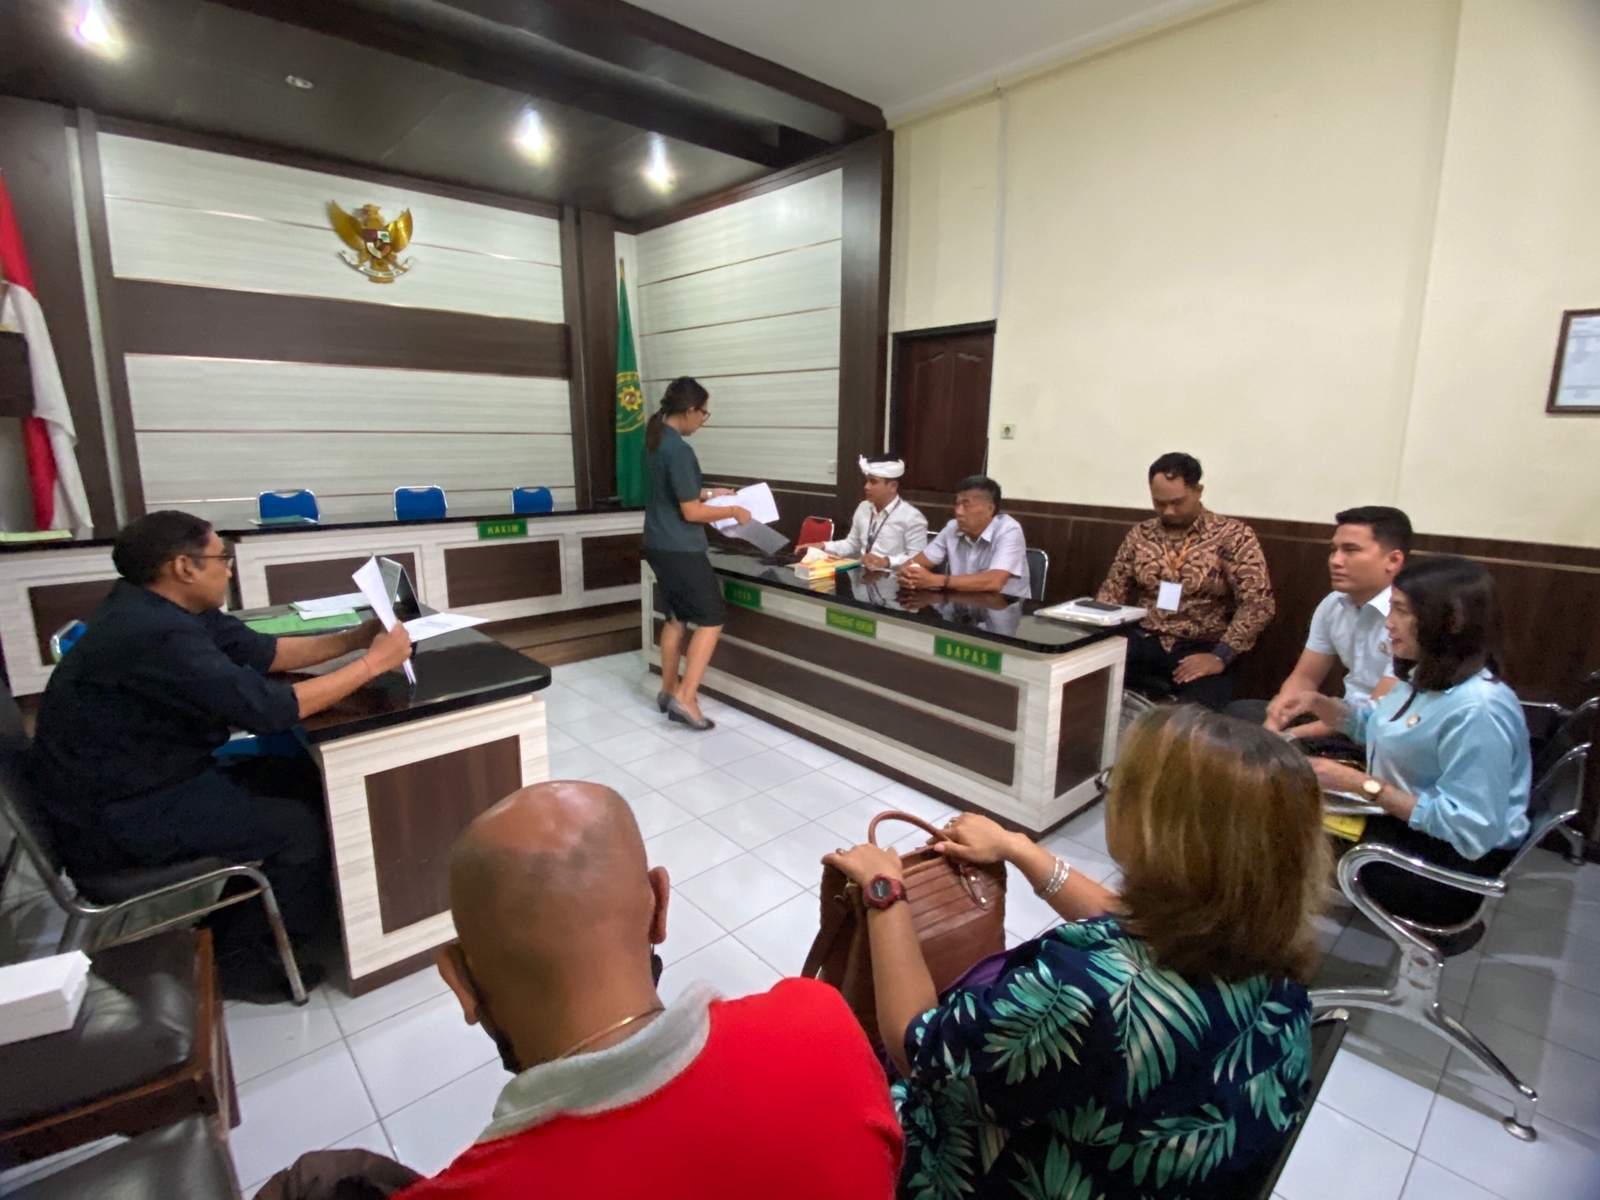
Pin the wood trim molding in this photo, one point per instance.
(577, 345)
(174, 318)
(829, 160)
(283, 156)
(863, 309)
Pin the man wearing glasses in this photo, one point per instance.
(123, 757)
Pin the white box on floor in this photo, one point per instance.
(42, 995)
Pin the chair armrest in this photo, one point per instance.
(1350, 804)
(1353, 861)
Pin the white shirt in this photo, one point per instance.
(1357, 637)
(898, 533)
(1002, 546)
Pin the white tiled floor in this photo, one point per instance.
(740, 818)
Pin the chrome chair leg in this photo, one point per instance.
(280, 935)
(1523, 1098)
(71, 934)
(1574, 840)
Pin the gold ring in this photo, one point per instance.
(841, 850)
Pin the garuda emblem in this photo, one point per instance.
(376, 245)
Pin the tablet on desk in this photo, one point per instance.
(1088, 611)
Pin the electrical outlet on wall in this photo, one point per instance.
(1008, 431)
(832, 468)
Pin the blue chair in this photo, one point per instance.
(420, 504)
(532, 500)
(279, 506)
(65, 639)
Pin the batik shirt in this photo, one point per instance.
(1086, 1071)
(1227, 591)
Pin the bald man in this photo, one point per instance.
(616, 1094)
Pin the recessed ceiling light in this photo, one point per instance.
(532, 138)
(296, 81)
(95, 29)
(659, 174)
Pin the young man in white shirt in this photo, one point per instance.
(981, 549)
(886, 532)
(1370, 545)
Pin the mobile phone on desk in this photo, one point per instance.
(1096, 605)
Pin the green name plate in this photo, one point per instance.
(517, 527)
(966, 652)
(741, 594)
(851, 623)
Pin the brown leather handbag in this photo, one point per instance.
(958, 910)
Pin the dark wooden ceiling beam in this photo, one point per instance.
(468, 44)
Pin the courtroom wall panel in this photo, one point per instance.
(745, 297)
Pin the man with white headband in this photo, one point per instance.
(885, 532)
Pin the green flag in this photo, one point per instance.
(632, 483)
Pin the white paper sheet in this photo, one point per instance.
(433, 626)
(369, 578)
(755, 499)
(327, 606)
(763, 537)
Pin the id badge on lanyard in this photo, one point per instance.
(1169, 596)
(872, 534)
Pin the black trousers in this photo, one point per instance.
(1150, 666)
(266, 808)
(1405, 894)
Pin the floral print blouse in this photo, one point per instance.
(1085, 1071)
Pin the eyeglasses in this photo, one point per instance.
(227, 558)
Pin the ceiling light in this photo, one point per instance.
(296, 81)
(532, 139)
(659, 174)
(95, 29)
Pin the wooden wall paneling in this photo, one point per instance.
(786, 216)
(610, 561)
(778, 401)
(34, 160)
(954, 742)
(111, 308)
(578, 378)
(177, 319)
(798, 455)
(418, 811)
(772, 285)
(242, 396)
(493, 573)
(55, 604)
(993, 701)
(597, 248)
(311, 580)
(1083, 729)
(803, 341)
(867, 213)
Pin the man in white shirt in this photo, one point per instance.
(886, 531)
(981, 549)
(1370, 545)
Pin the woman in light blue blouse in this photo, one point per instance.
(1447, 750)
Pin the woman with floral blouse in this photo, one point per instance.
(1158, 1044)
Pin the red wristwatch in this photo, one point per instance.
(883, 892)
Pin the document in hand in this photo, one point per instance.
(756, 500)
(369, 579)
(437, 623)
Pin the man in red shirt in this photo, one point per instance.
(617, 1095)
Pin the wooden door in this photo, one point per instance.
(940, 404)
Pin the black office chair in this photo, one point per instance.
(1038, 568)
(187, 1159)
(101, 908)
(1414, 991)
(1327, 1035)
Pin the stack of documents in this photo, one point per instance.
(819, 564)
(41, 996)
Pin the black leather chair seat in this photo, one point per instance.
(114, 887)
(137, 1022)
(184, 1160)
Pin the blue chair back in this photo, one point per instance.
(532, 500)
(275, 506)
(65, 639)
(419, 504)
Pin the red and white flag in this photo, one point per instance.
(48, 436)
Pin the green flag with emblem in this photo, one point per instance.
(633, 484)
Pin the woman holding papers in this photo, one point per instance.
(675, 518)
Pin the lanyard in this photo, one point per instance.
(874, 531)
(1173, 562)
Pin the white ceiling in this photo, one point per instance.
(904, 55)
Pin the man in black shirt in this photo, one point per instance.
(122, 759)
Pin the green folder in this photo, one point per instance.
(293, 623)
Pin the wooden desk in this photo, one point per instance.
(565, 563)
(404, 772)
(968, 698)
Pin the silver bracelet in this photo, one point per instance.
(1057, 877)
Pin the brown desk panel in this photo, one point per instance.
(611, 560)
(54, 604)
(488, 573)
(288, 582)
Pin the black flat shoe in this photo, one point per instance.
(677, 712)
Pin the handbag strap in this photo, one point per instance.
(909, 818)
(835, 925)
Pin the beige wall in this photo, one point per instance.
(1325, 247)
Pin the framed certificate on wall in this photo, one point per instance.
(1575, 382)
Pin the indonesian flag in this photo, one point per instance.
(48, 436)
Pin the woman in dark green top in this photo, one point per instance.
(675, 518)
